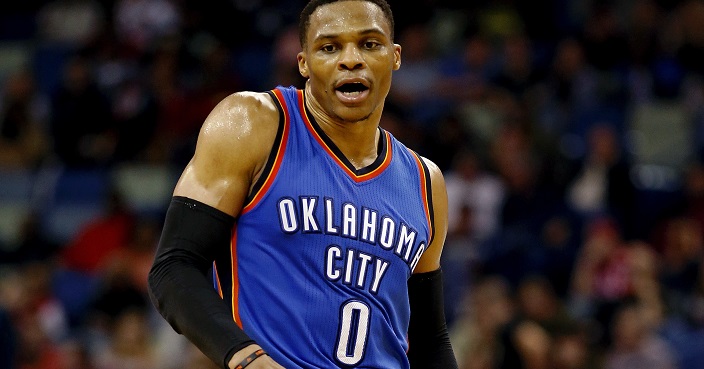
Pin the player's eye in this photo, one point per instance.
(328, 48)
(371, 44)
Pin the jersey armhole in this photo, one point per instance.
(427, 193)
(275, 155)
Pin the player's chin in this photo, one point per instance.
(353, 114)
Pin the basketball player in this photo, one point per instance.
(301, 234)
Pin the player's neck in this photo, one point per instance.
(358, 141)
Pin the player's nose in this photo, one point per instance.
(351, 58)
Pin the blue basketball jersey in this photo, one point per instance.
(321, 253)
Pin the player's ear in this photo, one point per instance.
(302, 65)
(397, 56)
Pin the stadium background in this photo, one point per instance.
(570, 133)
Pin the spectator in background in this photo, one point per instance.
(141, 23)
(536, 300)
(684, 330)
(687, 204)
(129, 345)
(116, 301)
(415, 87)
(470, 184)
(466, 75)
(83, 261)
(518, 74)
(395, 120)
(601, 274)
(91, 250)
(286, 47)
(133, 260)
(81, 122)
(177, 125)
(523, 344)
(459, 262)
(217, 76)
(571, 350)
(75, 355)
(136, 113)
(529, 203)
(475, 197)
(36, 351)
(499, 20)
(605, 42)
(643, 32)
(447, 139)
(653, 69)
(689, 45)
(559, 246)
(610, 271)
(32, 244)
(113, 66)
(23, 112)
(644, 267)
(602, 185)
(38, 316)
(682, 253)
(635, 344)
(73, 23)
(486, 308)
(568, 91)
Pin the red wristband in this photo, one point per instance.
(248, 360)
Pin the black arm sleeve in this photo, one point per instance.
(428, 338)
(180, 286)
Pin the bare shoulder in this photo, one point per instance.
(238, 132)
(436, 176)
(233, 146)
(242, 115)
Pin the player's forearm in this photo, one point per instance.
(179, 285)
(429, 340)
(190, 305)
(439, 355)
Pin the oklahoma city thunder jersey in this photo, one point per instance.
(322, 252)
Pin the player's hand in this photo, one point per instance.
(262, 362)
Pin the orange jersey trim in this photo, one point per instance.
(340, 163)
(278, 158)
(217, 279)
(235, 279)
(424, 194)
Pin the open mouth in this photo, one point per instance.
(352, 88)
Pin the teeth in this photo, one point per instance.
(352, 93)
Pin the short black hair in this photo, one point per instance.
(312, 5)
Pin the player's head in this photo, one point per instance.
(348, 56)
(312, 5)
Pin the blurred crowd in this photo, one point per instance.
(570, 132)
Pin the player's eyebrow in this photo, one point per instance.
(373, 30)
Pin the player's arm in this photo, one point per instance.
(233, 146)
(429, 341)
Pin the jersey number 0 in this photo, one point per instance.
(353, 332)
